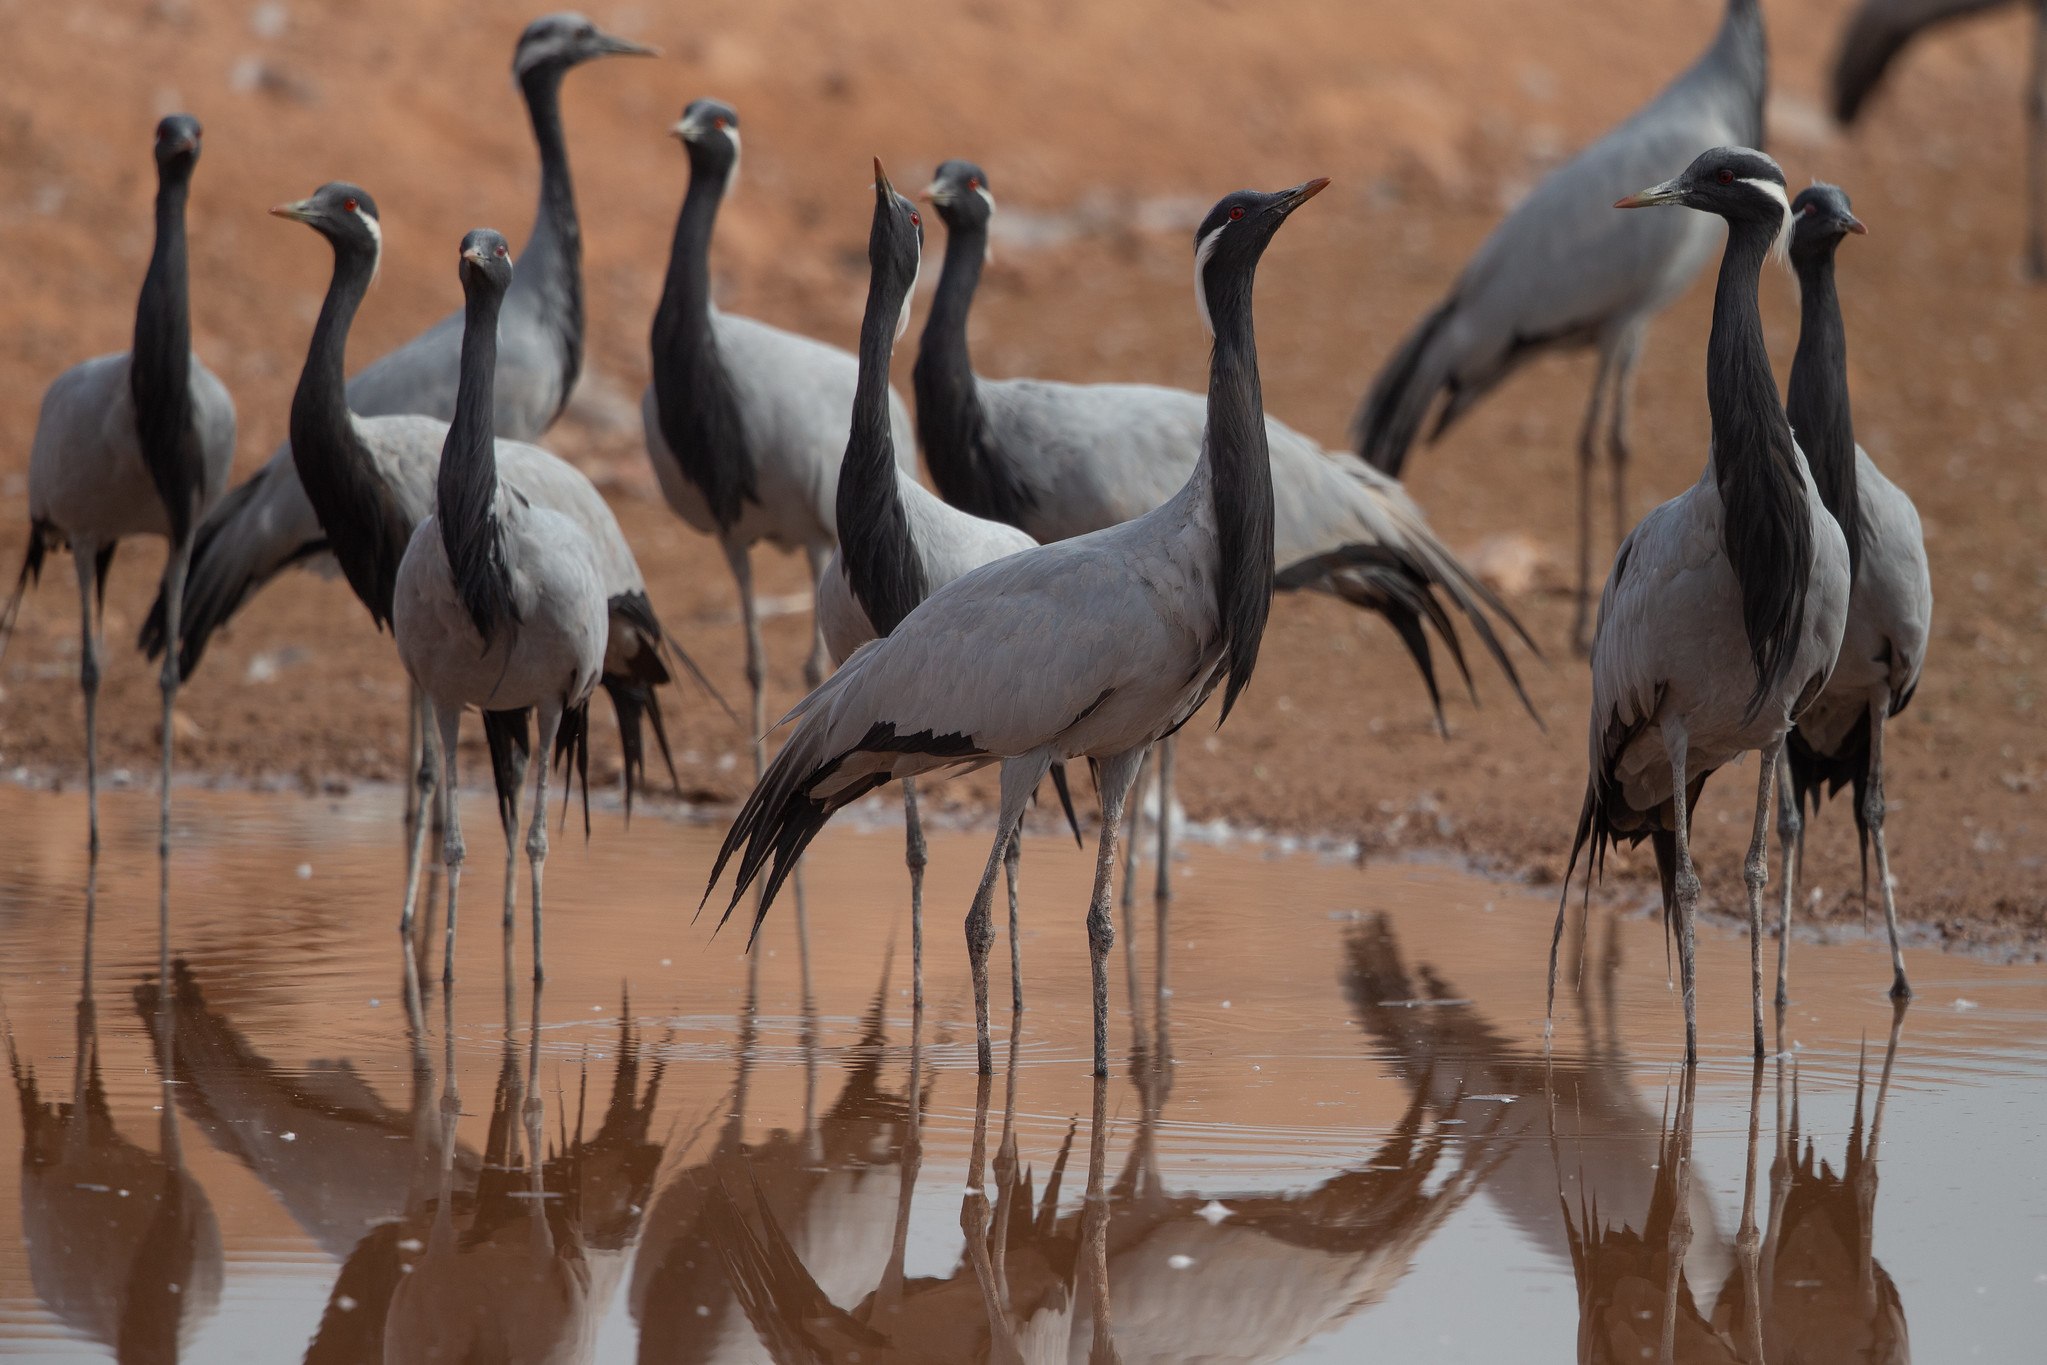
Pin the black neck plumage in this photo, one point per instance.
(366, 528)
(970, 471)
(1240, 476)
(1816, 399)
(551, 265)
(874, 531)
(1766, 529)
(693, 397)
(466, 488)
(160, 365)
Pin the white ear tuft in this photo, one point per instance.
(376, 242)
(910, 297)
(1201, 255)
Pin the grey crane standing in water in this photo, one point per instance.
(746, 423)
(269, 524)
(1061, 460)
(1561, 271)
(1724, 610)
(374, 480)
(137, 443)
(1095, 647)
(1839, 740)
(897, 542)
(1880, 29)
(499, 602)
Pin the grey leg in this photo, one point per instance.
(450, 725)
(1115, 775)
(1588, 453)
(173, 592)
(420, 800)
(1676, 745)
(1755, 872)
(415, 740)
(1133, 845)
(1012, 868)
(2036, 153)
(536, 835)
(85, 556)
(820, 661)
(1164, 891)
(1020, 777)
(1791, 839)
(1873, 816)
(1748, 1240)
(741, 560)
(914, 854)
(1617, 449)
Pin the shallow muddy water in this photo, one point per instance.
(1333, 1134)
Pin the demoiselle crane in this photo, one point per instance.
(897, 541)
(1061, 460)
(1880, 29)
(137, 443)
(746, 423)
(373, 480)
(499, 603)
(1839, 740)
(1724, 610)
(268, 524)
(1094, 647)
(1562, 272)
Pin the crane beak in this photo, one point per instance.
(1669, 192)
(299, 211)
(610, 45)
(1854, 225)
(882, 187)
(1301, 194)
(188, 143)
(934, 193)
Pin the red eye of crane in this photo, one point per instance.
(718, 122)
(1236, 213)
(501, 253)
(1726, 176)
(915, 221)
(973, 182)
(348, 204)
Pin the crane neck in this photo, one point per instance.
(550, 266)
(466, 485)
(160, 362)
(874, 533)
(1816, 398)
(1743, 46)
(1766, 527)
(364, 526)
(695, 406)
(1238, 464)
(966, 463)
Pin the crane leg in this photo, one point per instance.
(173, 593)
(1113, 776)
(1588, 452)
(85, 555)
(741, 560)
(2036, 153)
(1132, 845)
(820, 661)
(1676, 745)
(422, 794)
(1163, 891)
(1012, 868)
(1619, 408)
(1873, 816)
(536, 834)
(1791, 841)
(1020, 777)
(449, 725)
(1755, 874)
(914, 854)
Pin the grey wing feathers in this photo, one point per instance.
(1874, 36)
(794, 393)
(1094, 455)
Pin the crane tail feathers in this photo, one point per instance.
(31, 573)
(1873, 37)
(1059, 785)
(506, 735)
(1391, 414)
(572, 751)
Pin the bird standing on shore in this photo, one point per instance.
(1095, 647)
(1561, 271)
(1724, 610)
(132, 444)
(498, 602)
(1061, 460)
(746, 423)
(897, 542)
(268, 523)
(1880, 29)
(1839, 739)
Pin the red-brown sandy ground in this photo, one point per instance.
(1105, 128)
